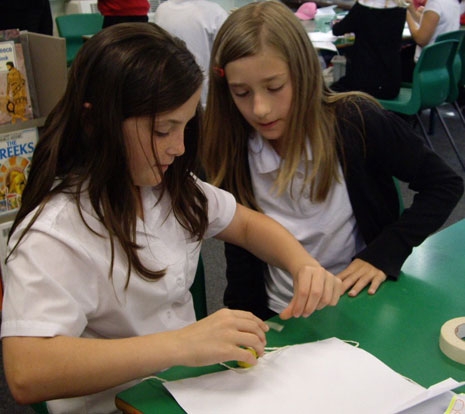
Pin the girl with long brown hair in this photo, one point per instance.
(105, 246)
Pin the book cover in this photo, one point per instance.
(16, 149)
(24, 36)
(15, 99)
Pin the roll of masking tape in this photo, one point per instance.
(451, 339)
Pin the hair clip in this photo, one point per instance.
(219, 71)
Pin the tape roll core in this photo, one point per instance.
(450, 340)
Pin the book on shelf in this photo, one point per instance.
(24, 35)
(4, 231)
(15, 96)
(16, 149)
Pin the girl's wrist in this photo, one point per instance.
(167, 350)
(307, 267)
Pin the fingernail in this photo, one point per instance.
(352, 293)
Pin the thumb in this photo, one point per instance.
(288, 312)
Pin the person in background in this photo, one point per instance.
(196, 22)
(121, 11)
(462, 13)
(426, 24)
(105, 246)
(373, 62)
(31, 15)
(320, 163)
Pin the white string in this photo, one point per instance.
(268, 349)
(155, 377)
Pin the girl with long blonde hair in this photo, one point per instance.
(320, 163)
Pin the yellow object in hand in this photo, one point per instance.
(243, 364)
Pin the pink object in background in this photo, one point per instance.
(306, 11)
(418, 3)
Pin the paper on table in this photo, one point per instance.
(322, 37)
(323, 376)
(326, 11)
(430, 393)
(321, 40)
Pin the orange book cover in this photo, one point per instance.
(15, 98)
(16, 149)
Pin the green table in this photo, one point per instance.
(400, 324)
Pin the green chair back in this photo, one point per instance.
(399, 195)
(433, 73)
(73, 26)
(458, 64)
(431, 80)
(198, 292)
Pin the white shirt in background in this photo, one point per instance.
(449, 19)
(327, 230)
(196, 22)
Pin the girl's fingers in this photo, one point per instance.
(349, 282)
(250, 326)
(359, 286)
(289, 311)
(316, 292)
(375, 284)
(302, 286)
(248, 340)
(331, 293)
(313, 292)
(337, 292)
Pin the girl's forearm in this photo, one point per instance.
(269, 241)
(39, 369)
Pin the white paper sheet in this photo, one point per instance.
(321, 40)
(327, 376)
(326, 11)
(432, 392)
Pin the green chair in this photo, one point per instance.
(458, 68)
(198, 292)
(430, 87)
(399, 195)
(73, 27)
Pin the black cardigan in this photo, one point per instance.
(374, 61)
(373, 148)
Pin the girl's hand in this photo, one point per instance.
(314, 288)
(358, 275)
(219, 338)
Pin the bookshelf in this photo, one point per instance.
(45, 60)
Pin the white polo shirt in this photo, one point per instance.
(196, 22)
(57, 283)
(449, 19)
(327, 230)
